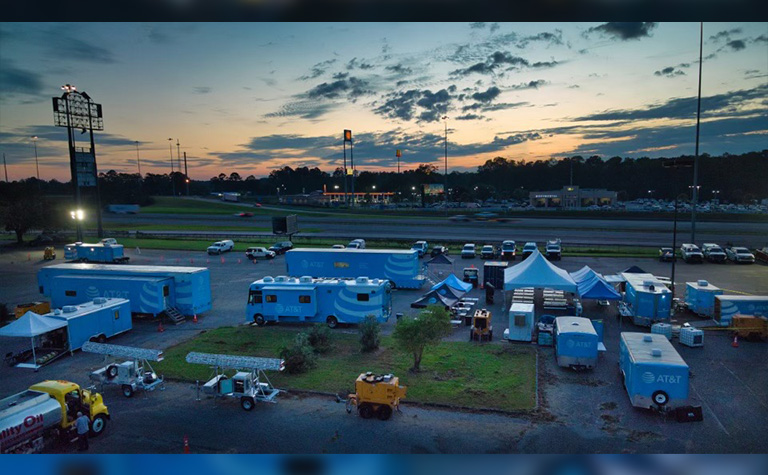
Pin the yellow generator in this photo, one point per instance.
(49, 254)
(481, 326)
(750, 327)
(376, 395)
(40, 308)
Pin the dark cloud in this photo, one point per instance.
(724, 35)
(736, 45)
(673, 71)
(760, 39)
(530, 85)
(350, 87)
(479, 106)
(340, 75)
(304, 109)
(202, 90)
(405, 105)
(75, 48)
(156, 35)
(318, 69)
(495, 61)
(399, 69)
(435, 105)
(624, 30)
(494, 27)
(730, 103)
(487, 96)
(553, 38)
(355, 64)
(469, 117)
(478, 25)
(14, 80)
(545, 64)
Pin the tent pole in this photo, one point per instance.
(34, 357)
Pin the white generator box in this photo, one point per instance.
(662, 329)
(692, 337)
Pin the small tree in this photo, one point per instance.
(370, 334)
(300, 357)
(319, 338)
(22, 215)
(415, 334)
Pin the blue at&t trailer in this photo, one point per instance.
(93, 321)
(575, 341)
(99, 252)
(188, 289)
(727, 306)
(328, 300)
(654, 374)
(400, 267)
(700, 297)
(647, 299)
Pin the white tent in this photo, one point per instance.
(537, 272)
(31, 325)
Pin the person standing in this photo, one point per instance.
(82, 423)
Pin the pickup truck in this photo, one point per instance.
(281, 247)
(508, 250)
(259, 253)
(713, 253)
(740, 255)
(553, 250)
(468, 251)
(529, 248)
(221, 246)
(488, 252)
(420, 247)
(356, 244)
(691, 253)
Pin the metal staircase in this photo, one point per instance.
(174, 315)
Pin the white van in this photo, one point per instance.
(356, 244)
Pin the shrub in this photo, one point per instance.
(319, 338)
(299, 357)
(428, 329)
(370, 334)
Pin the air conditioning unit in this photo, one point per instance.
(305, 279)
(281, 278)
(268, 280)
(361, 280)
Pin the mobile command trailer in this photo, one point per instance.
(100, 252)
(647, 298)
(46, 411)
(575, 341)
(306, 299)
(700, 297)
(655, 375)
(727, 306)
(97, 320)
(189, 288)
(401, 267)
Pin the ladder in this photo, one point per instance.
(174, 315)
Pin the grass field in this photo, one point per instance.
(197, 227)
(169, 205)
(457, 373)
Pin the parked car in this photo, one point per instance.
(356, 244)
(338, 246)
(259, 253)
(508, 250)
(437, 250)
(459, 217)
(740, 255)
(666, 254)
(691, 253)
(553, 251)
(529, 249)
(421, 247)
(468, 251)
(488, 252)
(281, 247)
(221, 246)
(713, 253)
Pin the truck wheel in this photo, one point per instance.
(98, 425)
(365, 410)
(332, 321)
(101, 338)
(259, 319)
(111, 371)
(660, 398)
(127, 390)
(247, 403)
(384, 412)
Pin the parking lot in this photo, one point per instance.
(580, 412)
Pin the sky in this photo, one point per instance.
(253, 97)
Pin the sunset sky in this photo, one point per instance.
(254, 97)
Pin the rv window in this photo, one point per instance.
(362, 297)
(254, 296)
(305, 299)
(271, 298)
(70, 293)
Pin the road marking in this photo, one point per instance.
(745, 385)
(710, 410)
(735, 291)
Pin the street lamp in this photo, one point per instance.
(37, 167)
(138, 160)
(77, 216)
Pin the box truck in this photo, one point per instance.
(655, 376)
(575, 341)
(98, 252)
(186, 289)
(700, 297)
(726, 306)
(306, 299)
(401, 267)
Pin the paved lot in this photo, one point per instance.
(581, 412)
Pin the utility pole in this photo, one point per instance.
(170, 150)
(445, 191)
(352, 165)
(186, 176)
(5, 166)
(178, 155)
(696, 156)
(346, 197)
(37, 167)
(138, 160)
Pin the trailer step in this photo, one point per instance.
(174, 315)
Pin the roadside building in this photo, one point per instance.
(572, 197)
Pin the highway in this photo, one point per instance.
(571, 231)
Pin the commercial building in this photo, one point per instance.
(572, 197)
(325, 198)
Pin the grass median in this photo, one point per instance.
(457, 373)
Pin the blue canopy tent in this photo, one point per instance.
(593, 286)
(537, 272)
(433, 297)
(455, 283)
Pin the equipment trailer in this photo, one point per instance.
(130, 375)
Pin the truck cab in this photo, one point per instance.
(713, 253)
(529, 248)
(508, 250)
(259, 253)
(553, 250)
(72, 398)
(488, 252)
(691, 253)
(421, 247)
(468, 251)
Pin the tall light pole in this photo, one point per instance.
(186, 176)
(5, 167)
(445, 190)
(675, 164)
(37, 167)
(138, 160)
(170, 151)
(696, 156)
(178, 155)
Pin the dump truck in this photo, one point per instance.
(481, 330)
(45, 414)
(376, 395)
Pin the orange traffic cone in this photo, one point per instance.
(239, 261)
(735, 343)
(194, 318)
(222, 260)
(186, 444)
(160, 328)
